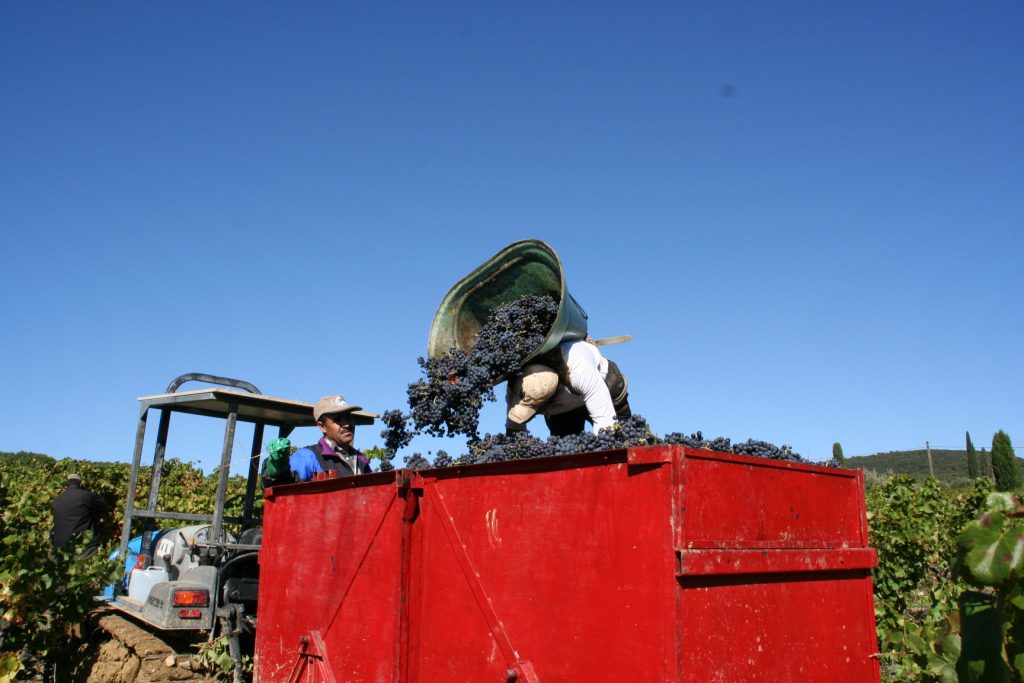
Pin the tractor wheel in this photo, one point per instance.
(118, 650)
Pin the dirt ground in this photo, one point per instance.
(116, 650)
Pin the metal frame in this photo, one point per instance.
(242, 401)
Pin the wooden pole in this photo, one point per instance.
(931, 465)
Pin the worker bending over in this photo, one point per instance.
(572, 385)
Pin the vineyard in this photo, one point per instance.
(948, 589)
(46, 595)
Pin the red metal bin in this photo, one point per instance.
(660, 563)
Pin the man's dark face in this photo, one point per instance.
(339, 428)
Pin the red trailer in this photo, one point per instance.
(659, 563)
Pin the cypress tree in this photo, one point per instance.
(837, 454)
(972, 459)
(1004, 464)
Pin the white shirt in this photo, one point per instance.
(587, 369)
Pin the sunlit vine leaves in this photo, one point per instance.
(43, 592)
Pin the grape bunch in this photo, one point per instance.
(396, 432)
(721, 444)
(447, 399)
(763, 449)
(396, 435)
(417, 462)
(502, 447)
(680, 439)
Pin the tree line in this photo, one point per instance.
(1000, 466)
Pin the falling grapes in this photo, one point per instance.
(448, 397)
(512, 332)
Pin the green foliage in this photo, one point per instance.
(214, 657)
(184, 488)
(993, 545)
(376, 453)
(932, 625)
(991, 557)
(914, 528)
(1004, 465)
(972, 459)
(837, 454)
(44, 591)
(985, 464)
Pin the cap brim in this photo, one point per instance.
(521, 413)
(361, 417)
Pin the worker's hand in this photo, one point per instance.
(278, 453)
(512, 428)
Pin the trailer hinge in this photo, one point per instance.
(312, 653)
(407, 480)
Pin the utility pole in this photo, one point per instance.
(931, 465)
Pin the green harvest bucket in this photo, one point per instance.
(521, 268)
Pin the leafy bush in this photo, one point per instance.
(914, 527)
(991, 558)
(45, 592)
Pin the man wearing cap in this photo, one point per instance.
(335, 454)
(76, 511)
(576, 385)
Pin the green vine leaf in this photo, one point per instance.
(994, 552)
(1001, 501)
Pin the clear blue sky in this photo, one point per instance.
(809, 216)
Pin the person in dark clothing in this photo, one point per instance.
(76, 511)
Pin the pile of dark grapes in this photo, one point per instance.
(760, 449)
(634, 431)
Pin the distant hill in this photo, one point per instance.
(950, 466)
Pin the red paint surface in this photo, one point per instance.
(653, 564)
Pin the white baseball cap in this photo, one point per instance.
(333, 405)
(535, 387)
